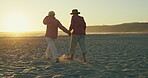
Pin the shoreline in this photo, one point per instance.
(88, 34)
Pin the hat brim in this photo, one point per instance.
(75, 13)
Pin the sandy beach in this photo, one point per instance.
(108, 56)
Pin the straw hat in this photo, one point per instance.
(51, 13)
(75, 11)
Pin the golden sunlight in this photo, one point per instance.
(16, 22)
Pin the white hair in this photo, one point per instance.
(51, 13)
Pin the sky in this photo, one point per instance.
(27, 15)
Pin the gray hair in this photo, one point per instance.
(51, 13)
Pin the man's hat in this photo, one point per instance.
(75, 11)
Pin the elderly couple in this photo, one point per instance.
(77, 28)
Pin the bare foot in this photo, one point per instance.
(69, 57)
(84, 60)
(84, 57)
(46, 58)
(56, 60)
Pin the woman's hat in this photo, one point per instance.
(75, 11)
(51, 13)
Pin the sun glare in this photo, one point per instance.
(16, 22)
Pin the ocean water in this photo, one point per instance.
(42, 33)
(22, 34)
(108, 56)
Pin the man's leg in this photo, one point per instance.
(83, 47)
(74, 41)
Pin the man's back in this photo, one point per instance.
(78, 25)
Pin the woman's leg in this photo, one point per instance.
(48, 49)
(51, 49)
(54, 49)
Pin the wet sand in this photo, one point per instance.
(108, 56)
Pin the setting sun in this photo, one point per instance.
(16, 22)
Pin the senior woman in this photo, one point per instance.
(51, 34)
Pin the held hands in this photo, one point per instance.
(69, 33)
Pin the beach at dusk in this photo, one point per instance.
(108, 56)
(74, 39)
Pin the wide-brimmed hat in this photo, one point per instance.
(75, 11)
(51, 13)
